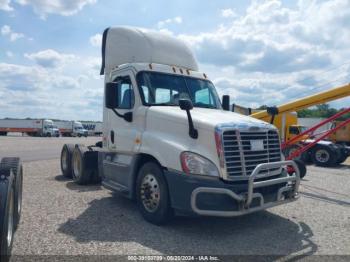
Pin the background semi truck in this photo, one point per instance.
(31, 127)
(71, 128)
(93, 128)
(169, 143)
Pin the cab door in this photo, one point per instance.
(123, 134)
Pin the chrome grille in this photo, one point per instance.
(241, 159)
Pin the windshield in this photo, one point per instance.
(302, 129)
(166, 89)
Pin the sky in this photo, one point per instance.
(259, 52)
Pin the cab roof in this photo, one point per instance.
(123, 45)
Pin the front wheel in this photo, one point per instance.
(153, 195)
(323, 155)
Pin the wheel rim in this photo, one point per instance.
(76, 164)
(150, 194)
(64, 160)
(10, 221)
(322, 156)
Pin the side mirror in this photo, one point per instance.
(185, 104)
(226, 102)
(111, 95)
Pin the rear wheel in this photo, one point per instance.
(323, 155)
(7, 212)
(14, 163)
(84, 166)
(153, 195)
(342, 154)
(342, 158)
(66, 160)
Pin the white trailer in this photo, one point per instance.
(168, 141)
(71, 128)
(93, 128)
(31, 127)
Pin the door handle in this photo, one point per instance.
(112, 136)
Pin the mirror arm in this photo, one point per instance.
(191, 130)
(127, 116)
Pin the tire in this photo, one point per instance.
(48, 134)
(15, 164)
(7, 199)
(304, 157)
(84, 166)
(342, 154)
(342, 159)
(154, 203)
(66, 160)
(302, 167)
(324, 156)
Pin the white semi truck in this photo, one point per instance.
(71, 128)
(168, 141)
(93, 128)
(31, 127)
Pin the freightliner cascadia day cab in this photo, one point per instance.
(168, 143)
(31, 127)
(71, 128)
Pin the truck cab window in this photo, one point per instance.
(167, 89)
(126, 94)
(294, 130)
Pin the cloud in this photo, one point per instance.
(8, 32)
(50, 58)
(175, 20)
(9, 54)
(96, 40)
(35, 91)
(60, 7)
(228, 13)
(268, 47)
(5, 5)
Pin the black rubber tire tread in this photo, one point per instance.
(68, 172)
(15, 164)
(164, 213)
(332, 156)
(302, 167)
(88, 174)
(342, 159)
(342, 154)
(6, 189)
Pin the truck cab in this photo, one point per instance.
(79, 130)
(49, 129)
(169, 143)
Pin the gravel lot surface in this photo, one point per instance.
(61, 218)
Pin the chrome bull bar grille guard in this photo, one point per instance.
(245, 199)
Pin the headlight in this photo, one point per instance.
(193, 163)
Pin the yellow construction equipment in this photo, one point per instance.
(285, 119)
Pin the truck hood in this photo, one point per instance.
(205, 118)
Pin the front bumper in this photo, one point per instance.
(210, 196)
